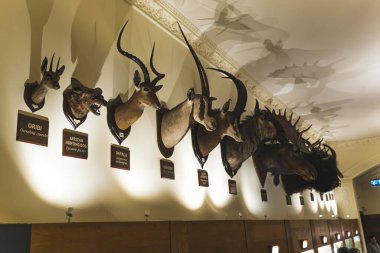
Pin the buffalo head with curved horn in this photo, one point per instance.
(173, 124)
(227, 123)
(121, 115)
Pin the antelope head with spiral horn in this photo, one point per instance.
(173, 124)
(121, 115)
(227, 123)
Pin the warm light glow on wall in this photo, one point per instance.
(218, 190)
(54, 179)
(356, 232)
(337, 236)
(186, 187)
(249, 182)
(324, 239)
(348, 233)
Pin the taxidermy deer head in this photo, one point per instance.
(227, 123)
(121, 115)
(173, 124)
(78, 100)
(34, 93)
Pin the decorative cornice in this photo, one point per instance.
(167, 16)
(357, 142)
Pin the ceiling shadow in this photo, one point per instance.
(39, 13)
(231, 24)
(94, 30)
(325, 112)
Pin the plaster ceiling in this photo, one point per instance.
(321, 59)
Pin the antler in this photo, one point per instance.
(202, 73)
(292, 133)
(159, 75)
(132, 57)
(241, 90)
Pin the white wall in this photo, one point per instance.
(38, 184)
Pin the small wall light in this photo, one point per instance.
(146, 214)
(337, 236)
(348, 233)
(356, 232)
(275, 249)
(324, 239)
(69, 214)
(304, 243)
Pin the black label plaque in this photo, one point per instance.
(232, 186)
(74, 144)
(167, 169)
(120, 157)
(203, 178)
(264, 195)
(311, 196)
(302, 201)
(288, 200)
(32, 128)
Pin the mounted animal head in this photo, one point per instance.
(323, 159)
(146, 89)
(51, 78)
(78, 100)
(283, 159)
(173, 124)
(230, 120)
(256, 129)
(35, 93)
(121, 115)
(227, 123)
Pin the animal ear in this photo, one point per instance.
(157, 88)
(137, 79)
(190, 94)
(76, 85)
(44, 65)
(60, 70)
(226, 106)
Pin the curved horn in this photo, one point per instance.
(159, 75)
(132, 57)
(257, 107)
(56, 69)
(241, 91)
(333, 153)
(51, 63)
(202, 73)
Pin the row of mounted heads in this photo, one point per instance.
(146, 88)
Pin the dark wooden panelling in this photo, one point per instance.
(208, 237)
(320, 228)
(298, 230)
(142, 237)
(347, 227)
(335, 227)
(262, 234)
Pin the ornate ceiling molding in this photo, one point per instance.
(357, 142)
(167, 16)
